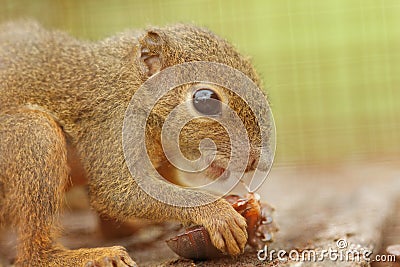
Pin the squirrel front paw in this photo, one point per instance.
(227, 228)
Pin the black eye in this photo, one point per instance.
(207, 102)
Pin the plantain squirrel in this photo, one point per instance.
(60, 94)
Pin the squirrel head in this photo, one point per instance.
(160, 48)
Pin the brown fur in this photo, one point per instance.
(56, 90)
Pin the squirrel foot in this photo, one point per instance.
(112, 257)
(116, 256)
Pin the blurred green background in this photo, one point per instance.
(332, 68)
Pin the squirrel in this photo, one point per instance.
(60, 94)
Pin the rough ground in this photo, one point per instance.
(316, 207)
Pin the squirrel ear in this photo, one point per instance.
(151, 46)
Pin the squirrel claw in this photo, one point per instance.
(121, 260)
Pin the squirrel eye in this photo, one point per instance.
(207, 102)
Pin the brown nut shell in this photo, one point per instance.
(194, 244)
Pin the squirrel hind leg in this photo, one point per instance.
(34, 172)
